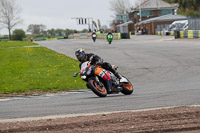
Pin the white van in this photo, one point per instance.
(179, 25)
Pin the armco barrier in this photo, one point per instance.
(199, 34)
(101, 36)
(188, 34)
(116, 36)
(70, 36)
(196, 34)
(125, 35)
(172, 33)
(183, 34)
(44, 39)
(51, 38)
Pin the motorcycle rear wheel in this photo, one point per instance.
(127, 87)
(97, 89)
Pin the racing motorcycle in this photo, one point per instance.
(95, 76)
(94, 36)
(109, 38)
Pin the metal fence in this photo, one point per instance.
(164, 29)
(122, 29)
(194, 23)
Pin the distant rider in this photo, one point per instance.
(109, 33)
(94, 36)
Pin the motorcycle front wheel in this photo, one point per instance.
(127, 87)
(94, 39)
(96, 88)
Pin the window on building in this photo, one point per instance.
(123, 17)
(119, 17)
(150, 13)
(146, 13)
(165, 12)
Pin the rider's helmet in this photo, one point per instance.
(80, 54)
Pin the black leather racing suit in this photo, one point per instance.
(96, 60)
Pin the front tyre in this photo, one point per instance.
(127, 87)
(96, 88)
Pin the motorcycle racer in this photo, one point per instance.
(109, 37)
(96, 60)
(94, 36)
(109, 33)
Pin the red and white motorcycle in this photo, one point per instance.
(95, 77)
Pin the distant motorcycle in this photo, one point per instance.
(109, 38)
(97, 83)
(94, 36)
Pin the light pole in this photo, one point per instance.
(140, 12)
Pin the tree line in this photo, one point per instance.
(187, 7)
(37, 30)
(40, 30)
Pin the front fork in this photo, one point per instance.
(108, 83)
(98, 82)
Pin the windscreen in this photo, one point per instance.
(84, 65)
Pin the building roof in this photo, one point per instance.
(155, 4)
(168, 17)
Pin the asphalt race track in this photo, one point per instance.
(165, 72)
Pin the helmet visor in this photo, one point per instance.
(80, 56)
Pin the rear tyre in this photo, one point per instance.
(127, 87)
(97, 89)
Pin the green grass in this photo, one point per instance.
(11, 44)
(35, 68)
(3, 40)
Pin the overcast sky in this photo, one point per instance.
(59, 13)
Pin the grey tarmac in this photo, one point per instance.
(165, 72)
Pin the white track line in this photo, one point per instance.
(84, 114)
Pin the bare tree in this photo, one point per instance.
(9, 15)
(120, 6)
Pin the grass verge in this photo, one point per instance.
(30, 68)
